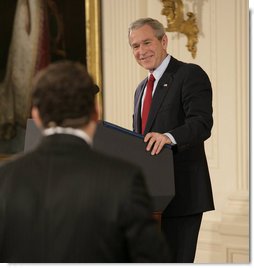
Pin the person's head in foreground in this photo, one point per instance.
(64, 96)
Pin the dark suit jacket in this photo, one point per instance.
(182, 106)
(64, 202)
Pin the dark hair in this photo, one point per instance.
(158, 28)
(64, 94)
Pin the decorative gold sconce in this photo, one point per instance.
(173, 10)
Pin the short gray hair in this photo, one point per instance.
(154, 24)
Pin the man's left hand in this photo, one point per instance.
(156, 141)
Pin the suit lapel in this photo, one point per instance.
(161, 91)
(137, 106)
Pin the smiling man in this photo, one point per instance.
(173, 105)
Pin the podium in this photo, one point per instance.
(130, 146)
(124, 144)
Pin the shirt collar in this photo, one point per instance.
(158, 72)
(68, 130)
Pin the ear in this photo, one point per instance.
(164, 41)
(95, 115)
(36, 117)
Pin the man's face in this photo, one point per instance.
(148, 51)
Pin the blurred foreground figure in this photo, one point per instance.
(64, 202)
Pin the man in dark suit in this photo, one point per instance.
(181, 115)
(64, 202)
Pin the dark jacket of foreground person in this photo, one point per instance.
(64, 202)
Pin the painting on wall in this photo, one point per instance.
(35, 33)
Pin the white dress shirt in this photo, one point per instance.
(68, 130)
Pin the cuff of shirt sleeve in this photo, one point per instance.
(170, 137)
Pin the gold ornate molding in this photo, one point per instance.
(93, 44)
(173, 10)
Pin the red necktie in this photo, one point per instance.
(147, 101)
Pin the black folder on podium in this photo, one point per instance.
(124, 144)
(128, 145)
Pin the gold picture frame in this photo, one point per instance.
(93, 45)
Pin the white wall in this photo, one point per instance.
(223, 54)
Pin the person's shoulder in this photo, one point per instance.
(116, 165)
(15, 161)
(9, 167)
(192, 70)
(186, 65)
(8, 163)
